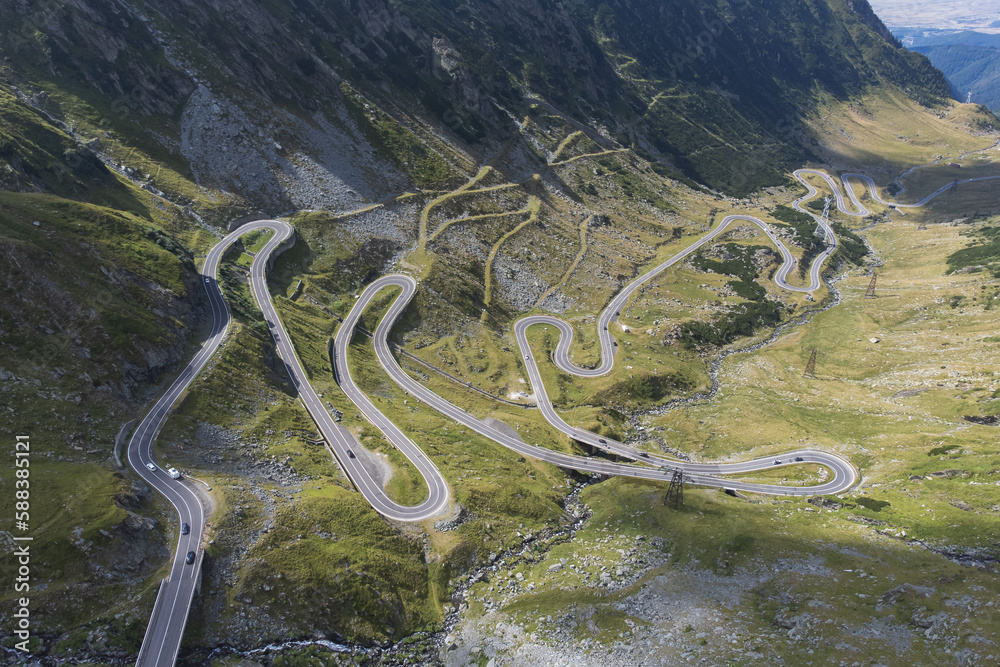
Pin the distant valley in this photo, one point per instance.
(970, 61)
(950, 15)
(961, 38)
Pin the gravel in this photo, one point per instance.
(280, 161)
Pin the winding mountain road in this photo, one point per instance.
(654, 467)
(163, 636)
(862, 210)
(649, 466)
(173, 602)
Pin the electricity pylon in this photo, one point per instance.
(870, 294)
(675, 492)
(811, 366)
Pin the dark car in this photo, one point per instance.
(190, 558)
(185, 529)
(799, 458)
(644, 454)
(350, 453)
(602, 441)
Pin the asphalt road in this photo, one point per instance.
(163, 636)
(341, 442)
(166, 624)
(649, 466)
(861, 211)
(611, 312)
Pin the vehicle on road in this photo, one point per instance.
(174, 473)
(185, 529)
(644, 454)
(799, 458)
(151, 466)
(602, 441)
(350, 454)
(190, 558)
(208, 280)
(777, 461)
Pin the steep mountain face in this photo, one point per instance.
(715, 92)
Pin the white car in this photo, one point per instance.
(151, 466)
(174, 473)
(207, 280)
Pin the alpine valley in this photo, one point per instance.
(751, 418)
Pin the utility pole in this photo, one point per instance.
(675, 492)
(811, 366)
(870, 294)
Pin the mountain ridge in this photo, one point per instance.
(425, 58)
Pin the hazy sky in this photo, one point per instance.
(981, 15)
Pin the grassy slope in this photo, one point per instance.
(754, 566)
(759, 564)
(92, 291)
(766, 406)
(887, 134)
